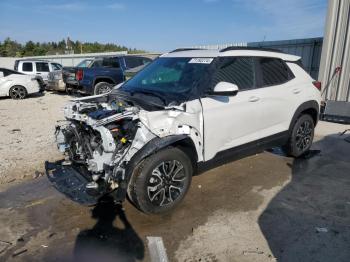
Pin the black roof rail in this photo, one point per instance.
(185, 49)
(232, 48)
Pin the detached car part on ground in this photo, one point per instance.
(146, 138)
(17, 85)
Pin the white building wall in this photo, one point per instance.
(7, 62)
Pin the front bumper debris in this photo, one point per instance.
(70, 182)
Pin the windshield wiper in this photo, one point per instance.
(150, 93)
(128, 96)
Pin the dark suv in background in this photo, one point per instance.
(104, 73)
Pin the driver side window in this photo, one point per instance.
(236, 70)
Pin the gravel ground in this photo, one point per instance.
(27, 134)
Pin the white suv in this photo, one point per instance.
(147, 137)
(40, 68)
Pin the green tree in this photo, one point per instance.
(12, 48)
(9, 47)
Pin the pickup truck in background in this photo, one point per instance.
(104, 73)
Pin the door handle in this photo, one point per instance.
(296, 90)
(254, 99)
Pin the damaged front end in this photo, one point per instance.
(98, 138)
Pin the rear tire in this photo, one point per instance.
(18, 92)
(102, 88)
(161, 181)
(301, 137)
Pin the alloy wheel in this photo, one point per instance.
(18, 92)
(104, 89)
(166, 183)
(303, 136)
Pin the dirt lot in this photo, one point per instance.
(27, 134)
(266, 207)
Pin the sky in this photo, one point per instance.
(161, 25)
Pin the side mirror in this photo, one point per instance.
(1, 74)
(225, 89)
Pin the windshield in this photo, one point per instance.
(56, 66)
(171, 79)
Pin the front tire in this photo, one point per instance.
(18, 92)
(301, 137)
(102, 88)
(161, 181)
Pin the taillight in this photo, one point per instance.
(79, 75)
(317, 84)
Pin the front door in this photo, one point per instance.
(43, 70)
(236, 120)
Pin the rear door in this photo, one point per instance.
(112, 68)
(26, 68)
(106, 68)
(277, 83)
(42, 69)
(231, 121)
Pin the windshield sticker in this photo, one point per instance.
(201, 60)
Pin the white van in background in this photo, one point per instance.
(37, 67)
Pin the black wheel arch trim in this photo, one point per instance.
(312, 104)
(103, 77)
(150, 148)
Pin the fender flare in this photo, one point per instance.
(103, 77)
(150, 148)
(312, 104)
(155, 145)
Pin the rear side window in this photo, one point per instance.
(27, 67)
(42, 67)
(236, 70)
(274, 72)
(110, 62)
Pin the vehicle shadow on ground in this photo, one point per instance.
(64, 93)
(308, 220)
(105, 242)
